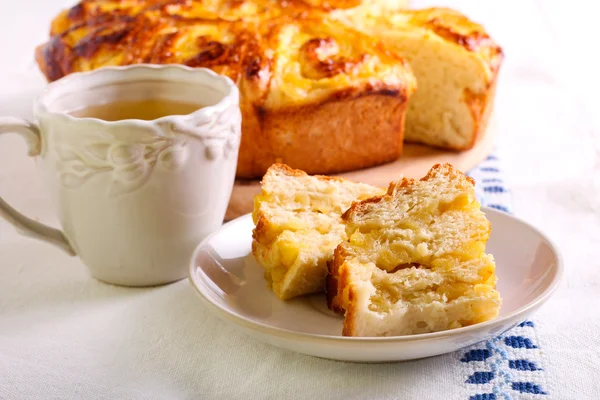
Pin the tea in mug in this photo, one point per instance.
(147, 109)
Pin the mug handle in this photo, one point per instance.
(24, 225)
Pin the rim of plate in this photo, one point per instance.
(269, 329)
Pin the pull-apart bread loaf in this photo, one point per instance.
(415, 261)
(298, 225)
(324, 85)
(456, 64)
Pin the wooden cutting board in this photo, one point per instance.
(415, 161)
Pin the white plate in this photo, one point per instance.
(231, 283)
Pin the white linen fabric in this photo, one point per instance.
(64, 335)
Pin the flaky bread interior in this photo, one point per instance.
(298, 225)
(455, 62)
(415, 259)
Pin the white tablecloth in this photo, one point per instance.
(65, 336)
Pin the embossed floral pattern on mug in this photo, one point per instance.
(132, 156)
(129, 163)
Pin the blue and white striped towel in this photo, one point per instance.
(509, 367)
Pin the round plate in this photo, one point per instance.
(230, 282)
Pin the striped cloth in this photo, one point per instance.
(508, 367)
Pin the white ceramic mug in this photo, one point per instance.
(134, 197)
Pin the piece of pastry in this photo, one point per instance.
(298, 225)
(415, 259)
(456, 64)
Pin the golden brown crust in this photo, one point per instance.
(317, 61)
(350, 314)
(145, 38)
(337, 277)
(481, 106)
(462, 32)
(456, 28)
(445, 168)
(54, 59)
(259, 233)
(351, 133)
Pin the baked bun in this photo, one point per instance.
(415, 259)
(298, 225)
